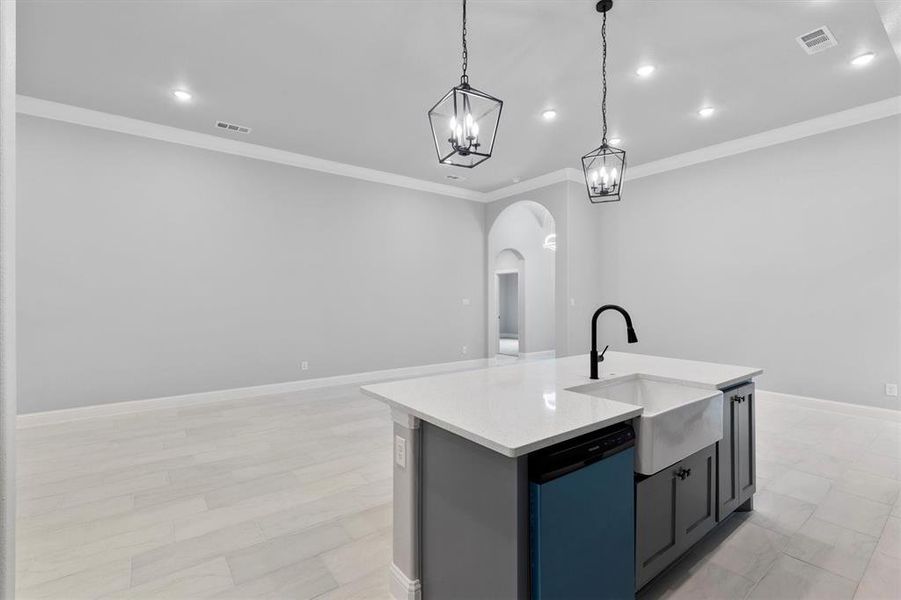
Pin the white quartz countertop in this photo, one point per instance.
(519, 408)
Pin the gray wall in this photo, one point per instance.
(585, 289)
(149, 269)
(785, 258)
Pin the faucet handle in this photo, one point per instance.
(601, 357)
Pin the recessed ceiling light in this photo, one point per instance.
(549, 114)
(614, 141)
(645, 70)
(863, 59)
(182, 95)
(707, 111)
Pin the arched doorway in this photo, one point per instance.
(521, 269)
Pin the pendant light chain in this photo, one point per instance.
(604, 166)
(464, 79)
(464, 122)
(604, 79)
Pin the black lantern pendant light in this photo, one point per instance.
(464, 122)
(604, 166)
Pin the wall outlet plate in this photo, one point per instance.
(400, 452)
(464, 350)
(891, 389)
(304, 365)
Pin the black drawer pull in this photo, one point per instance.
(737, 398)
(682, 473)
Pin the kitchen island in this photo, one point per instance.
(463, 442)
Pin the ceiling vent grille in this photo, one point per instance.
(817, 40)
(232, 127)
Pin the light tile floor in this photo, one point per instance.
(288, 496)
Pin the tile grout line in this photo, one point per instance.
(875, 550)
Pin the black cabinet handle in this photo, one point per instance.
(738, 398)
(682, 473)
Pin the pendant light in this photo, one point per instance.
(464, 122)
(605, 165)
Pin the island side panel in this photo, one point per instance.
(475, 519)
(405, 570)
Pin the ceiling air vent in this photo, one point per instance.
(232, 127)
(817, 40)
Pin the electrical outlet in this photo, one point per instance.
(572, 301)
(464, 350)
(891, 389)
(304, 365)
(400, 452)
(466, 302)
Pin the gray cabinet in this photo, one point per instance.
(673, 509)
(656, 539)
(735, 452)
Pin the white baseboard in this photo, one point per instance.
(133, 406)
(538, 355)
(858, 410)
(402, 587)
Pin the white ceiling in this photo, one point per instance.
(351, 81)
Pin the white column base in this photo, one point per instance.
(402, 587)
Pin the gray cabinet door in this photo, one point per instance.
(747, 479)
(696, 496)
(673, 509)
(735, 453)
(656, 530)
(727, 458)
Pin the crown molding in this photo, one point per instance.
(846, 118)
(92, 118)
(558, 176)
(57, 111)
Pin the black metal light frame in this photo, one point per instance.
(462, 97)
(605, 156)
(460, 94)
